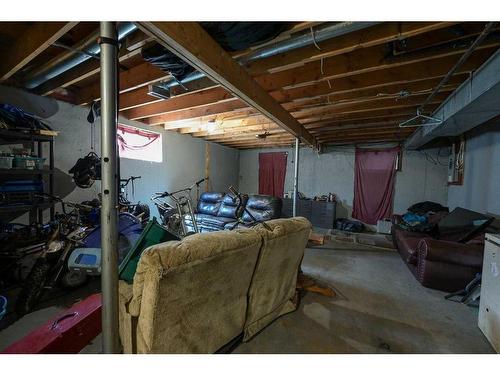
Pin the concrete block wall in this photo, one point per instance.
(420, 179)
(183, 155)
(481, 188)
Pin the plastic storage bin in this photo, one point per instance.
(28, 162)
(6, 162)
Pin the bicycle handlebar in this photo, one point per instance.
(125, 181)
(65, 203)
(167, 194)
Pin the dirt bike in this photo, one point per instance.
(20, 243)
(50, 266)
(67, 241)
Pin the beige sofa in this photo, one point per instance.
(196, 295)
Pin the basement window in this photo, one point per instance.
(139, 144)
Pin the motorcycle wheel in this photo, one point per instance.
(32, 288)
(73, 279)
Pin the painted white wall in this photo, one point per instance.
(183, 155)
(333, 171)
(481, 188)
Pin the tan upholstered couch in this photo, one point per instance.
(196, 295)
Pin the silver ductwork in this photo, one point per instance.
(93, 48)
(472, 104)
(323, 32)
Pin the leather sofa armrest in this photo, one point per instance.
(397, 219)
(450, 252)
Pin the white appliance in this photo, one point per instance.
(489, 305)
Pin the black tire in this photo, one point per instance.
(73, 279)
(32, 288)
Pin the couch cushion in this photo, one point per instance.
(262, 207)
(190, 296)
(231, 208)
(275, 278)
(209, 203)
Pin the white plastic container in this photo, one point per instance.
(384, 226)
(6, 162)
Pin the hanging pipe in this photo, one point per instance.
(93, 49)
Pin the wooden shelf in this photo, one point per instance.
(24, 135)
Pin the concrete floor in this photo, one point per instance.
(380, 308)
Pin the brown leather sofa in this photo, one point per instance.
(448, 262)
(438, 264)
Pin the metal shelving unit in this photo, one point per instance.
(36, 141)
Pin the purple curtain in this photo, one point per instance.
(272, 170)
(374, 184)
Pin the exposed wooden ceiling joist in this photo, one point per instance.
(190, 42)
(372, 36)
(379, 34)
(388, 73)
(36, 39)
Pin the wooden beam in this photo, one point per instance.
(131, 99)
(197, 99)
(81, 72)
(369, 37)
(92, 37)
(360, 61)
(138, 76)
(30, 44)
(207, 166)
(189, 41)
(400, 75)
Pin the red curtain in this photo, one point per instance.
(272, 171)
(374, 184)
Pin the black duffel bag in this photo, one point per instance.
(349, 225)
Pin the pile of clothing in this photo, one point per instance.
(423, 217)
(14, 118)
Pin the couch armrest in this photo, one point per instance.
(397, 219)
(126, 320)
(450, 252)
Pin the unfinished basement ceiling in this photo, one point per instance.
(354, 85)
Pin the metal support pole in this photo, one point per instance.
(296, 177)
(109, 188)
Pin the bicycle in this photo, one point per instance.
(141, 211)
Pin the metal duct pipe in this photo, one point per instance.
(93, 48)
(321, 33)
(487, 29)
